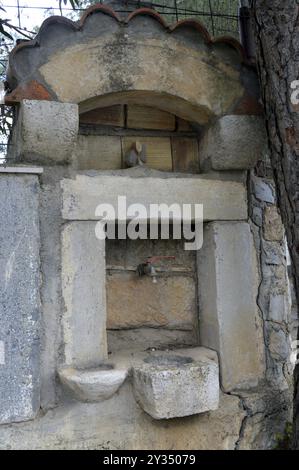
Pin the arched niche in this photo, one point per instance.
(102, 58)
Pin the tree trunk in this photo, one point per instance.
(276, 24)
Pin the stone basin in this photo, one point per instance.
(171, 385)
(168, 360)
(93, 385)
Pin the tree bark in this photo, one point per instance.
(276, 24)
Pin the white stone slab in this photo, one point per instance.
(222, 200)
(29, 170)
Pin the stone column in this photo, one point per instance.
(228, 289)
(84, 295)
(20, 308)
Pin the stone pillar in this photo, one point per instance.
(233, 143)
(84, 295)
(45, 132)
(228, 288)
(19, 296)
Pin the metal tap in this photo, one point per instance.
(148, 269)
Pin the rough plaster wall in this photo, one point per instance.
(50, 226)
(119, 423)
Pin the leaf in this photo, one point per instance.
(73, 3)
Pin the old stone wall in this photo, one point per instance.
(251, 414)
(78, 332)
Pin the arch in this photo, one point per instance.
(102, 58)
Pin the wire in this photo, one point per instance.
(155, 5)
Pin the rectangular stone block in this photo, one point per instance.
(46, 131)
(228, 288)
(84, 295)
(273, 227)
(234, 142)
(222, 200)
(20, 307)
(141, 339)
(171, 385)
(134, 302)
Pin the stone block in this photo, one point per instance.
(273, 228)
(84, 295)
(257, 216)
(19, 298)
(134, 301)
(234, 142)
(46, 131)
(279, 345)
(279, 308)
(95, 152)
(228, 288)
(263, 190)
(140, 339)
(169, 386)
(222, 200)
(273, 253)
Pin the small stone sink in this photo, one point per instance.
(168, 360)
(173, 385)
(93, 385)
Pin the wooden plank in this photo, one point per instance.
(185, 155)
(98, 153)
(158, 151)
(144, 117)
(110, 116)
(184, 126)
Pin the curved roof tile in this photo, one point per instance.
(104, 9)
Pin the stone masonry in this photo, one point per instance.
(85, 363)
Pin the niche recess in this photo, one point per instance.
(107, 134)
(145, 312)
